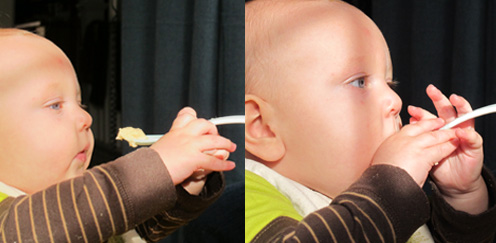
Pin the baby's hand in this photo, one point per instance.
(416, 148)
(182, 148)
(194, 184)
(458, 176)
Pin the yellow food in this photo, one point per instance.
(130, 134)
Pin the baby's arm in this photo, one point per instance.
(106, 200)
(187, 208)
(384, 205)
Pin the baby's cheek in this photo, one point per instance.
(368, 149)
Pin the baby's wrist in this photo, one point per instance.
(474, 201)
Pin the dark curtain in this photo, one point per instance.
(178, 53)
(449, 43)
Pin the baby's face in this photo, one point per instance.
(45, 134)
(336, 105)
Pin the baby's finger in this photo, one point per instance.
(187, 110)
(418, 113)
(214, 164)
(220, 154)
(434, 138)
(213, 142)
(440, 151)
(461, 104)
(202, 126)
(184, 117)
(423, 126)
(443, 106)
(462, 107)
(469, 138)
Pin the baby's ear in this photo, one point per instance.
(260, 138)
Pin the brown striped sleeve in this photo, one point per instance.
(451, 225)
(107, 200)
(384, 205)
(187, 208)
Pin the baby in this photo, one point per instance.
(322, 124)
(46, 146)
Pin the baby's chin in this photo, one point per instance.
(73, 174)
(78, 168)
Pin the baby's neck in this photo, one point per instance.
(10, 190)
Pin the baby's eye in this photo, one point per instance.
(359, 83)
(56, 106)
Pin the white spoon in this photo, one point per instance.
(476, 113)
(225, 120)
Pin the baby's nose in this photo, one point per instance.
(85, 119)
(393, 103)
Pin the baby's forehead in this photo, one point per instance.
(19, 39)
(22, 53)
(18, 46)
(15, 38)
(275, 28)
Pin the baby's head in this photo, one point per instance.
(45, 135)
(318, 100)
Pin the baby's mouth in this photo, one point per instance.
(82, 156)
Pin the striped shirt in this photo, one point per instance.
(384, 205)
(134, 191)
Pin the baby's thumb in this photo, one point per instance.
(184, 117)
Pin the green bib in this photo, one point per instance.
(263, 203)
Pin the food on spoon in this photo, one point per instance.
(130, 134)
